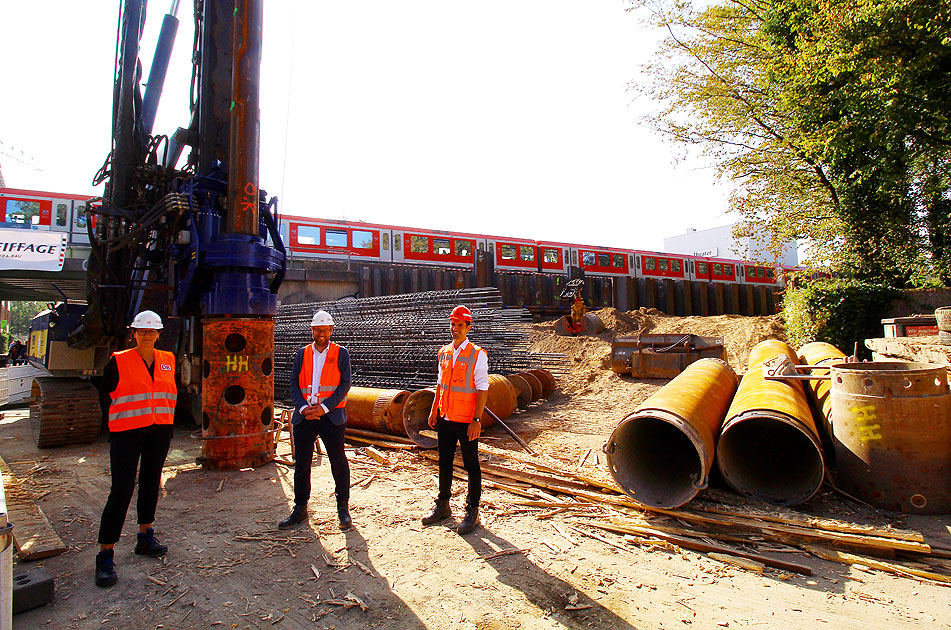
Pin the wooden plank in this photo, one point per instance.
(890, 567)
(699, 545)
(33, 534)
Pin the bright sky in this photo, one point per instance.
(511, 118)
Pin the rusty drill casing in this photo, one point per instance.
(891, 428)
(522, 389)
(501, 400)
(769, 448)
(238, 429)
(662, 454)
(376, 409)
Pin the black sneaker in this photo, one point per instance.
(106, 569)
(298, 515)
(148, 544)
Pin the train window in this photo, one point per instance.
(25, 212)
(308, 235)
(675, 264)
(604, 260)
(507, 252)
(526, 252)
(727, 270)
(750, 271)
(650, 263)
(335, 238)
(632, 260)
(702, 268)
(550, 255)
(463, 248)
(769, 273)
(419, 244)
(760, 272)
(386, 240)
(491, 247)
(397, 242)
(588, 259)
(80, 216)
(61, 214)
(619, 261)
(717, 269)
(574, 258)
(662, 264)
(441, 246)
(481, 245)
(362, 239)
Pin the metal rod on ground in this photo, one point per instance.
(510, 431)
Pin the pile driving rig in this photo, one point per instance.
(198, 244)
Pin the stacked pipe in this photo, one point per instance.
(393, 340)
(769, 448)
(662, 454)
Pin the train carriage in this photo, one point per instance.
(707, 269)
(334, 240)
(660, 265)
(48, 211)
(436, 247)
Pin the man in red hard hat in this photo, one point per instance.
(456, 414)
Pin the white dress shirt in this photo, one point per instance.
(319, 359)
(480, 373)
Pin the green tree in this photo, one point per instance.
(20, 315)
(831, 116)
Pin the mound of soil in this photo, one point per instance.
(589, 370)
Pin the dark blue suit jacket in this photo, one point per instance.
(336, 416)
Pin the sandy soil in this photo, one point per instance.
(228, 565)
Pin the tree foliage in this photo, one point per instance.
(20, 315)
(833, 117)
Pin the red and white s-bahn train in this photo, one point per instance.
(307, 237)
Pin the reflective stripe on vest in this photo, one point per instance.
(329, 375)
(140, 400)
(458, 393)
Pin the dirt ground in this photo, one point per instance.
(229, 566)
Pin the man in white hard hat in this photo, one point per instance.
(137, 395)
(320, 380)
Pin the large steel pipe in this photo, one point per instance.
(891, 426)
(522, 389)
(662, 454)
(376, 409)
(769, 448)
(825, 355)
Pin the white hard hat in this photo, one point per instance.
(322, 318)
(147, 319)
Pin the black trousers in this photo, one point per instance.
(305, 434)
(448, 434)
(126, 448)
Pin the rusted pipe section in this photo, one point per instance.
(244, 118)
(769, 448)
(662, 454)
(534, 385)
(891, 428)
(522, 389)
(546, 379)
(375, 409)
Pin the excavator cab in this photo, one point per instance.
(578, 321)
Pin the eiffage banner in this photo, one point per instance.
(32, 250)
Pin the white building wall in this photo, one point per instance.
(718, 242)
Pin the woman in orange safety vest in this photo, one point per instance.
(138, 395)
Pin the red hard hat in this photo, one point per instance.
(461, 313)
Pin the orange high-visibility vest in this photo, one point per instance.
(458, 393)
(329, 375)
(140, 400)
